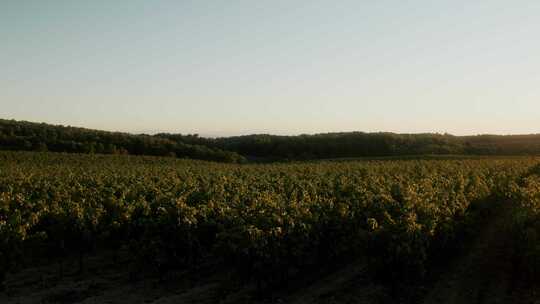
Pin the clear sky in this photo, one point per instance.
(283, 67)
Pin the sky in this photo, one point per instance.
(220, 68)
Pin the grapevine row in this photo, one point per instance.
(262, 222)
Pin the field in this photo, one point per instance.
(97, 228)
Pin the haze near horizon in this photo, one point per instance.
(281, 67)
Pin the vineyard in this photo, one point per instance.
(264, 225)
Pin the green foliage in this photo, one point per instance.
(264, 222)
(27, 136)
(526, 222)
(264, 147)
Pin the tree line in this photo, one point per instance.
(28, 136)
(360, 144)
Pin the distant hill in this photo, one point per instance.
(359, 144)
(29, 136)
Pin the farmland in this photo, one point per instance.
(266, 230)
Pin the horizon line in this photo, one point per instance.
(153, 132)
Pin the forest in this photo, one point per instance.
(27, 136)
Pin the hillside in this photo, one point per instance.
(28, 136)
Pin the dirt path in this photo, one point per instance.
(347, 285)
(484, 273)
(103, 282)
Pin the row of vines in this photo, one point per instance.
(525, 193)
(262, 222)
